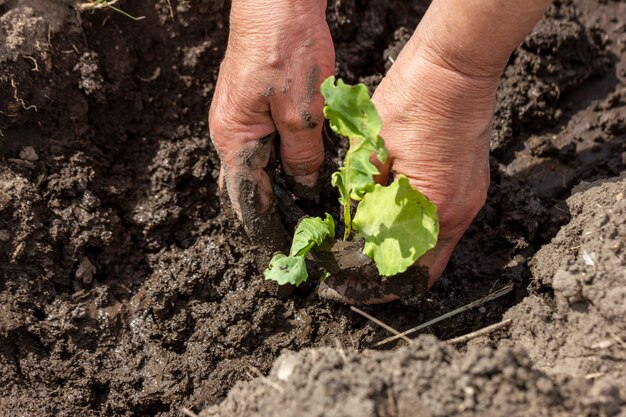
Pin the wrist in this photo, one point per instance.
(267, 28)
(457, 59)
(431, 110)
(250, 18)
(477, 37)
(429, 85)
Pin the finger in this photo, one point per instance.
(437, 258)
(384, 170)
(249, 190)
(245, 178)
(245, 187)
(240, 126)
(299, 120)
(351, 277)
(354, 291)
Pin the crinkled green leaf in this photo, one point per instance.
(398, 223)
(352, 114)
(349, 109)
(287, 269)
(311, 232)
(359, 169)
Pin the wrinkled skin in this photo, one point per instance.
(436, 104)
(269, 82)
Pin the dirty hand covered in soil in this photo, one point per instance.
(267, 107)
(125, 291)
(267, 89)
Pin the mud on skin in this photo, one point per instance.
(174, 311)
(263, 226)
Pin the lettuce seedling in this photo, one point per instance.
(397, 223)
(351, 113)
(311, 232)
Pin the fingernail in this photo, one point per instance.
(307, 180)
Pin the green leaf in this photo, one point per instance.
(338, 181)
(349, 109)
(360, 171)
(352, 114)
(287, 269)
(398, 223)
(312, 232)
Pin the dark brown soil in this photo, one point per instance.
(560, 356)
(124, 291)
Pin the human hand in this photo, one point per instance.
(436, 104)
(437, 127)
(277, 55)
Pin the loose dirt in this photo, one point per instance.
(125, 291)
(561, 356)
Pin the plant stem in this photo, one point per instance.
(347, 219)
(347, 215)
(99, 4)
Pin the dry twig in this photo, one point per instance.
(91, 5)
(478, 333)
(188, 412)
(497, 294)
(380, 323)
(169, 4)
(265, 380)
(103, 4)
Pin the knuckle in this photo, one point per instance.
(293, 122)
(480, 196)
(232, 129)
(457, 215)
(304, 162)
(302, 167)
(217, 122)
(218, 127)
(303, 147)
(476, 201)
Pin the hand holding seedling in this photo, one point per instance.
(436, 105)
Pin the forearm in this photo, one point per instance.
(476, 37)
(270, 6)
(456, 56)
